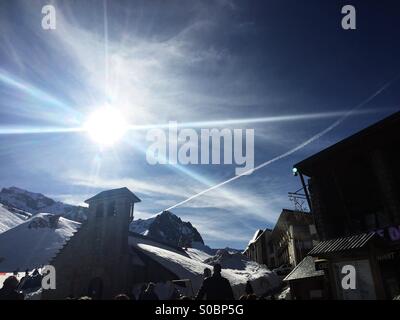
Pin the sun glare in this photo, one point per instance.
(106, 126)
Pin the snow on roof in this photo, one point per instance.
(256, 235)
(8, 219)
(34, 242)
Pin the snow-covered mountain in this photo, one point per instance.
(36, 202)
(33, 242)
(169, 228)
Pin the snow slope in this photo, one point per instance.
(34, 242)
(197, 254)
(10, 218)
(190, 267)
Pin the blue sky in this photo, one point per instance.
(160, 61)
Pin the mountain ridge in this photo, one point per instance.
(34, 203)
(169, 228)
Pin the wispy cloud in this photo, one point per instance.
(162, 193)
(195, 64)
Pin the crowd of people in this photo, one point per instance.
(214, 287)
(12, 287)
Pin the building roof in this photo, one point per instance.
(344, 244)
(305, 269)
(114, 193)
(257, 235)
(376, 134)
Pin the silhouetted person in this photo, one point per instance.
(150, 294)
(207, 273)
(216, 287)
(36, 279)
(249, 288)
(23, 280)
(9, 290)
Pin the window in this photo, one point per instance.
(111, 212)
(99, 211)
(131, 211)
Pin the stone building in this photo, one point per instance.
(96, 261)
(293, 235)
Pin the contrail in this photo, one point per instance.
(37, 130)
(288, 153)
(281, 118)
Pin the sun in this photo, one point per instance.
(106, 126)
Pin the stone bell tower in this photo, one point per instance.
(95, 261)
(110, 213)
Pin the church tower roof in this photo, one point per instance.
(125, 192)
